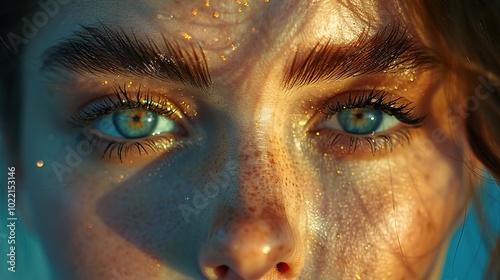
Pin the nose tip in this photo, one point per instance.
(250, 252)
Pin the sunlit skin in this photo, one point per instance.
(289, 205)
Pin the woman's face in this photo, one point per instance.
(237, 140)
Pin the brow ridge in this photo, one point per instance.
(103, 50)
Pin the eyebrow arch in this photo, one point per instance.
(388, 50)
(112, 51)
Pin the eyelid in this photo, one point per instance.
(120, 99)
(398, 107)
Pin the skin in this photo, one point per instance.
(284, 195)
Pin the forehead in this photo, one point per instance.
(225, 25)
(237, 37)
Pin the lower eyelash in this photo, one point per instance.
(338, 141)
(122, 148)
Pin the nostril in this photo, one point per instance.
(282, 267)
(221, 271)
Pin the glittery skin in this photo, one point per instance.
(251, 195)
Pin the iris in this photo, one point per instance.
(135, 123)
(360, 120)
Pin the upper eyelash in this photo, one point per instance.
(377, 100)
(123, 101)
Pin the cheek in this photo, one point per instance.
(93, 213)
(386, 214)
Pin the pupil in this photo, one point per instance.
(136, 118)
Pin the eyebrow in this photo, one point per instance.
(112, 51)
(389, 50)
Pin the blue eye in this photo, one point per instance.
(361, 121)
(136, 123)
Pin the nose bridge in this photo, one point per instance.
(255, 234)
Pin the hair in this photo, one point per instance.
(463, 33)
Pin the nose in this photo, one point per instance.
(251, 248)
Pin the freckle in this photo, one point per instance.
(194, 12)
(215, 14)
(39, 163)
(90, 226)
(253, 29)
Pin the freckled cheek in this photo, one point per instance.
(372, 209)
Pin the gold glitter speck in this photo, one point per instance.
(207, 3)
(358, 277)
(186, 36)
(239, 10)
(39, 163)
(215, 14)
(194, 12)
(223, 58)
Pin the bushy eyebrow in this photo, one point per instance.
(103, 50)
(389, 49)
